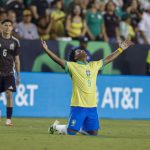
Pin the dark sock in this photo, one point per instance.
(9, 112)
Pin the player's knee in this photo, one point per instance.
(71, 132)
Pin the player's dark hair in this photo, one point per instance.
(6, 20)
(72, 54)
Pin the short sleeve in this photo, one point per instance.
(17, 48)
(99, 64)
(67, 67)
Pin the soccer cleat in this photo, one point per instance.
(8, 123)
(52, 127)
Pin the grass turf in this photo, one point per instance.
(31, 134)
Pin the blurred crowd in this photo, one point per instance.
(98, 20)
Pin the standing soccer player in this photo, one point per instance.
(9, 61)
(83, 114)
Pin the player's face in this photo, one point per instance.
(80, 55)
(7, 27)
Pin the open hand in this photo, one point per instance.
(44, 45)
(125, 44)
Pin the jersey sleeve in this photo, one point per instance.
(68, 67)
(99, 64)
(17, 48)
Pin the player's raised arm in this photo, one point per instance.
(58, 60)
(122, 47)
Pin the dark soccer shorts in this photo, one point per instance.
(7, 83)
(85, 118)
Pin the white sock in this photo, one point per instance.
(62, 129)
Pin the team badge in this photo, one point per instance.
(73, 122)
(12, 46)
(88, 73)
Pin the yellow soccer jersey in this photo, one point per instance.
(84, 82)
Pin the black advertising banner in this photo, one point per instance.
(131, 62)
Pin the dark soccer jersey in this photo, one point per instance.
(9, 48)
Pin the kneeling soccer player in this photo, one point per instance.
(83, 114)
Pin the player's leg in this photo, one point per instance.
(57, 127)
(91, 123)
(75, 122)
(63, 129)
(76, 119)
(10, 87)
(9, 97)
(2, 89)
(83, 132)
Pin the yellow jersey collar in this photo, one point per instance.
(82, 63)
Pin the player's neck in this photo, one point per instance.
(6, 35)
(83, 60)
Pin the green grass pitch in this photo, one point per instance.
(31, 134)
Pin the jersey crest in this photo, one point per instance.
(12, 46)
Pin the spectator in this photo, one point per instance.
(145, 4)
(101, 8)
(57, 16)
(44, 28)
(95, 23)
(27, 30)
(11, 14)
(17, 6)
(39, 8)
(110, 17)
(136, 16)
(76, 24)
(3, 16)
(135, 13)
(144, 28)
(126, 30)
(72, 5)
(84, 5)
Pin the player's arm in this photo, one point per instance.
(58, 60)
(122, 47)
(17, 68)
